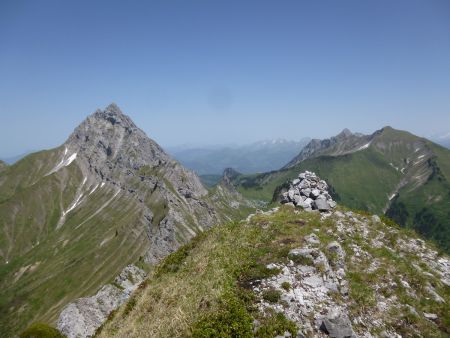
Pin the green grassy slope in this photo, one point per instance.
(361, 180)
(43, 268)
(203, 289)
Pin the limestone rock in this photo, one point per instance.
(85, 315)
(337, 325)
(309, 192)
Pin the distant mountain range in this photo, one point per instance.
(14, 159)
(390, 172)
(252, 158)
(442, 139)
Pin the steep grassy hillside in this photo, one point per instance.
(47, 267)
(360, 180)
(235, 280)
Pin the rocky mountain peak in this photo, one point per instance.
(344, 143)
(344, 133)
(114, 115)
(108, 143)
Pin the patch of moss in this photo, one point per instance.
(271, 295)
(302, 260)
(41, 330)
(286, 285)
(360, 291)
(129, 306)
(256, 272)
(231, 320)
(276, 324)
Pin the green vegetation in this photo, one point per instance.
(286, 286)
(276, 324)
(361, 180)
(231, 319)
(272, 295)
(210, 180)
(41, 330)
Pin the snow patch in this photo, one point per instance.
(70, 159)
(103, 183)
(95, 188)
(393, 166)
(364, 146)
(64, 162)
(392, 196)
(75, 203)
(421, 156)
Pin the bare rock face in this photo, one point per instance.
(309, 192)
(85, 315)
(110, 149)
(343, 143)
(111, 146)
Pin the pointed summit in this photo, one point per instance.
(114, 108)
(114, 115)
(345, 133)
(108, 140)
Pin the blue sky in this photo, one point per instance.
(211, 72)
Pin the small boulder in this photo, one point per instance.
(315, 193)
(332, 204)
(298, 200)
(306, 192)
(376, 219)
(430, 316)
(337, 325)
(321, 205)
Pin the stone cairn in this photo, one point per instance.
(309, 192)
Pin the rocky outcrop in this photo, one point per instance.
(344, 143)
(306, 285)
(85, 315)
(317, 285)
(309, 192)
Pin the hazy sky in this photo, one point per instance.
(205, 72)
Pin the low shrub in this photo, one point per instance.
(271, 295)
(41, 330)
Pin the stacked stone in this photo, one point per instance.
(309, 192)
